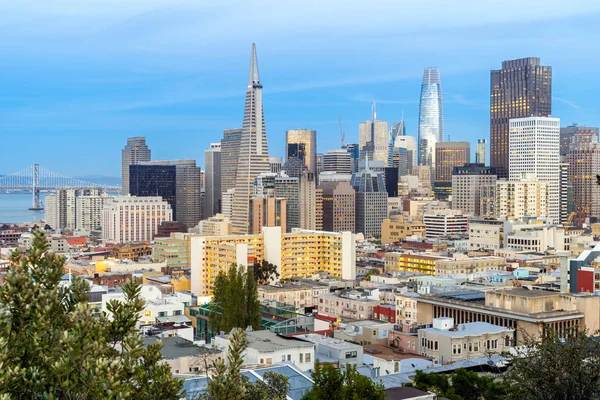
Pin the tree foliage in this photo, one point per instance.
(332, 384)
(264, 272)
(556, 368)
(235, 301)
(229, 383)
(461, 385)
(52, 347)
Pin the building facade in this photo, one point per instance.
(267, 211)
(431, 116)
(370, 202)
(302, 143)
(212, 180)
(374, 139)
(445, 224)
(298, 254)
(157, 178)
(449, 155)
(135, 151)
(188, 185)
(134, 219)
(520, 89)
(518, 199)
(338, 207)
(567, 133)
(480, 152)
(467, 183)
(338, 160)
(583, 158)
(253, 152)
(534, 145)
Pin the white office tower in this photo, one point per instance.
(534, 147)
(134, 219)
(337, 160)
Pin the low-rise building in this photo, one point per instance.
(365, 332)
(461, 264)
(386, 360)
(485, 234)
(266, 347)
(406, 307)
(425, 264)
(131, 251)
(173, 250)
(397, 229)
(446, 343)
(336, 351)
(300, 294)
(354, 304)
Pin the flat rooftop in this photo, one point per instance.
(469, 329)
(176, 347)
(387, 353)
(527, 293)
(328, 341)
(267, 341)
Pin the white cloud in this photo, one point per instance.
(570, 103)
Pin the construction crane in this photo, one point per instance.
(342, 136)
(570, 219)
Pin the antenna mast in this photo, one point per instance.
(342, 136)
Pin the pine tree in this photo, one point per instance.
(235, 301)
(52, 347)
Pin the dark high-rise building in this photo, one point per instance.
(391, 181)
(156, 179)
(522, 88)
(230, 150)
(212, 180)
(354, 150)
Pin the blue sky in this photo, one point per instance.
(77, 78)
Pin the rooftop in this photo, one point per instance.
(267, 341)
(388, 353)
(469, 329)
(522, 292)
(328, 341)
(176, 347)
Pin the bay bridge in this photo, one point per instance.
(37, 178)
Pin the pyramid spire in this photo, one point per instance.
(253, 79)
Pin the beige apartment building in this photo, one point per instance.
(461, 264)
(446, 343)
(299, 254)
(300, 294)
(518, 199)
(396, 229)
(217, 225)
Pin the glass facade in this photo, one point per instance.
(431, 116)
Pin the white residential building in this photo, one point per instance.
(338, 351)
(534, 153)
(485, 234)
(134, 219)
(89, 211)
(266, 347)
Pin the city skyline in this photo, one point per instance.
(154, 84)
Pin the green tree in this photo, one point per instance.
(52, 347)
(235, 301)
(565, 367)
(461, 385)
(332, 384)
(264, 272)
(229, 383)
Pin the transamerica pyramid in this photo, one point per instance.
(254, 154)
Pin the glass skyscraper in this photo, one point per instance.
(431, 116)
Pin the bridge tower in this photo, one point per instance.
(36, 204)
